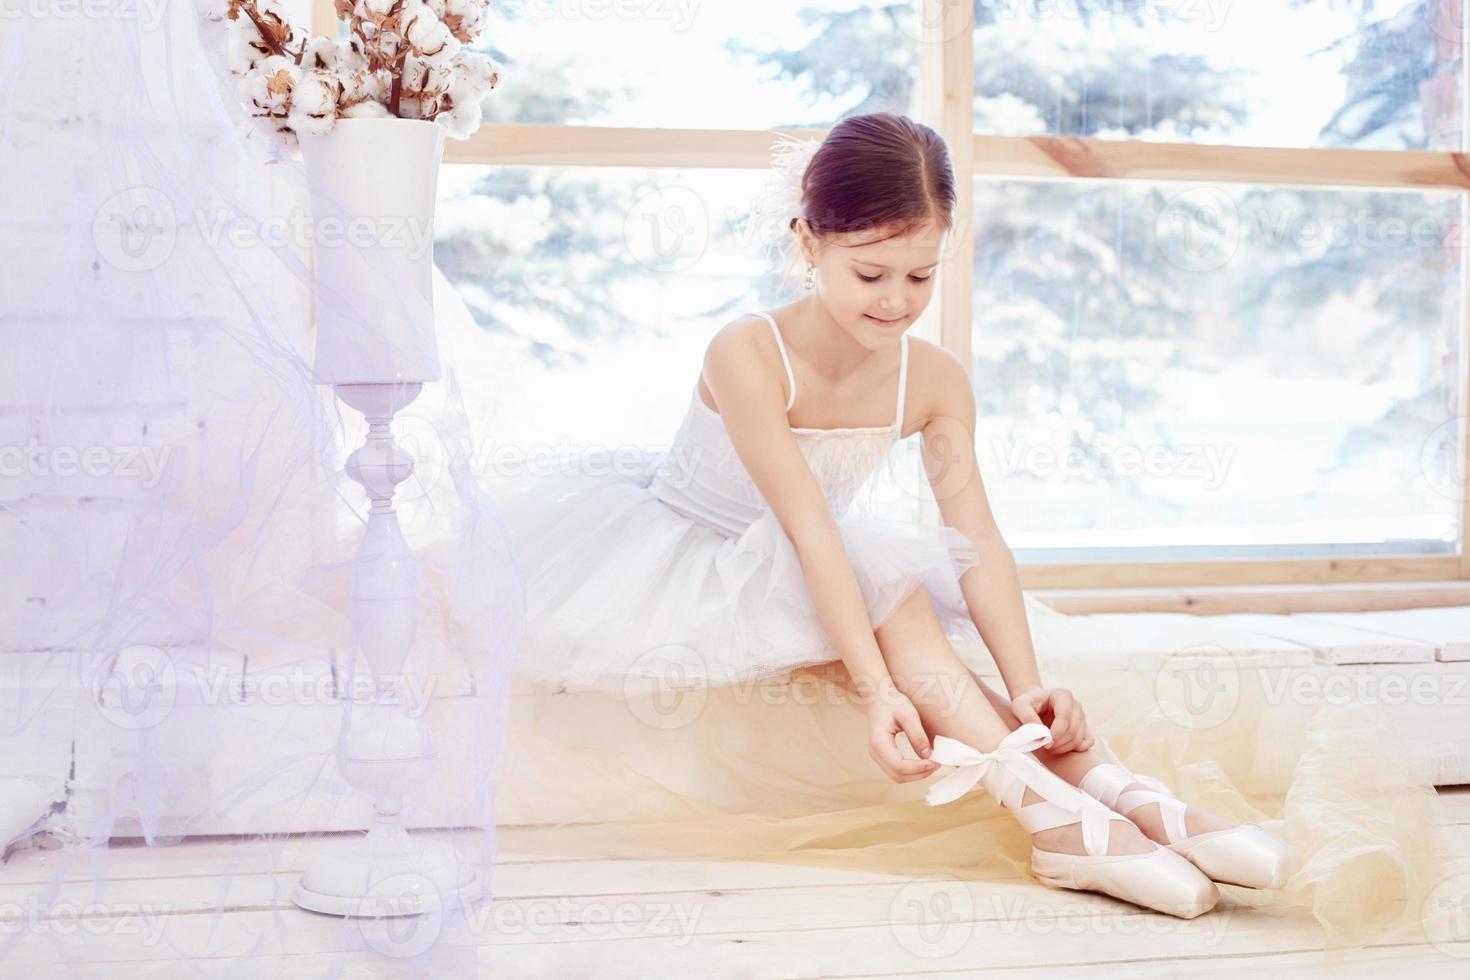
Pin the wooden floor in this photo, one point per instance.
(561, 917)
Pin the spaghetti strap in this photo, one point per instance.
(786, 361)
(903, 375)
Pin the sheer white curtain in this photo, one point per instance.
(178, 532)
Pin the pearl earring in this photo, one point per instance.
(811, 275)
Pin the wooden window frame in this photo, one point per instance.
(947, 88)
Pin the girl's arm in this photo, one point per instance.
(751, 401)
(992, 588)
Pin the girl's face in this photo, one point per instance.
(875, 290)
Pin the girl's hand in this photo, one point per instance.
(1056, 708)
(891, 712)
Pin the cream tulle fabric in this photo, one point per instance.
(655, 711)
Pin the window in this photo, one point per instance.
(1224, 236)
(1217, 370)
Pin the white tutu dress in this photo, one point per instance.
(678, 570)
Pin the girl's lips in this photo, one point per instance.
(886, 323)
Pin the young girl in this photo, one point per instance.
(731, 556)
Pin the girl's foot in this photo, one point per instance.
(1238, 854)
(1149, 818)
(1123, 837)
(1077, 842)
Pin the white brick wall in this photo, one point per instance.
(106, 379)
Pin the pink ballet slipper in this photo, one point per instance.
(1157, 879)
(1242, 855)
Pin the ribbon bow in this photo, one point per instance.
(1011, 754)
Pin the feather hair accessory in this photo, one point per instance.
(780, 197)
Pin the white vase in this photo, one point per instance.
(373, 184)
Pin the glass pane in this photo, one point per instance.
(684, 64)
(1294, 73)
(595, 291)
(1212, 371)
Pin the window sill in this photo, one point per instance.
(1282, 599)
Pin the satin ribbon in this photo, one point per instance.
(1148, 781)
(1012, 753)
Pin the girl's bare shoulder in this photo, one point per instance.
(938, 384)
(743, 345)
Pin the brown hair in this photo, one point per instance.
(877, 171)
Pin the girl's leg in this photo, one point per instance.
(1072, 766)
(948, 705)
(950, 701)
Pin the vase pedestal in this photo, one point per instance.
(384, 750)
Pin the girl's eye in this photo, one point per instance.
(876, 278)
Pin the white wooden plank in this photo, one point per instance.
(967, 929)
(556, 923)
(1333, 642)
(1171, 634)
(1372, 963)
(1447, 627)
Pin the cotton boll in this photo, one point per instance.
(314, 125)
(429, 37)
(252, 91)
(359, 86)
(437, 79)
(274, 15)
(478, 68)
(267, 88)
(274, 10)
(372, 9)
(463, 92)
(314, 102)
(351, 57)
(464, 18)
(281, 75)
(408, 108)
(321, 52)
(388, 45)
(462, 121)
(365, 110)
(472, 20)
(415, 70)
(243, 46)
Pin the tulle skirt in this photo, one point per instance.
(621, 588)
(730, 754)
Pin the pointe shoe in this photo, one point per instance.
(1157, 879)
(1242, 855)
